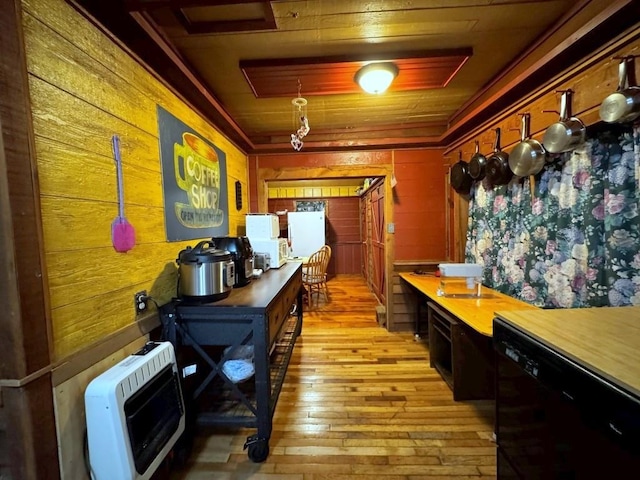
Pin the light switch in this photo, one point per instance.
(391, 228)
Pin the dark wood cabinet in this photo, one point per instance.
(462, 356)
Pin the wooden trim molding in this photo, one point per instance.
(79, 361)
(17, 383)
(68, 367)
(26, 339)
(157, 57)
(544, 74)
(31, 429)
(264, 175)
(147, 23)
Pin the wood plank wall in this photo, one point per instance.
(324, 191)
(591, 78)
(405, 299)
(343, 231)
(82, 89)
(420, 193)
(420, 206)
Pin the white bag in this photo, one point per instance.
(240, 366)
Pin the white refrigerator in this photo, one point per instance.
(306, 232)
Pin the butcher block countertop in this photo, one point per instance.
(478, 313)
(605, 340)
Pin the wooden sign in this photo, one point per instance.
(194, 182)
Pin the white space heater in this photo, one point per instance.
(135, 414)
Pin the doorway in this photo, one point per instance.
(384, 209)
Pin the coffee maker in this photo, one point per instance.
(242, 254)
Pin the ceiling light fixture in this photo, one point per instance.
(376, 77)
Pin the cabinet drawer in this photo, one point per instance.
(280, 309)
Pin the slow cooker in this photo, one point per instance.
(242, 254)
(205, 274)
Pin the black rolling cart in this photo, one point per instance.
(265, 316)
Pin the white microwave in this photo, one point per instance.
(262, 225)
(276, 248)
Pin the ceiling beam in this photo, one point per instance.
(418, 70)
(145, 5)
(387, 143)
(149, 26)
(195, 27)
(227, 26)
(618, 16)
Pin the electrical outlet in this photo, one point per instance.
(141, 300)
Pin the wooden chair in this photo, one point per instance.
(314, 274)
(327, 250)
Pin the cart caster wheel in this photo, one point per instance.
(258, 452)
(258, 448)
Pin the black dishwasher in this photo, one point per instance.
(555, 419)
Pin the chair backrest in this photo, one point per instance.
(327, 257)
(327, 249)
(313, 270)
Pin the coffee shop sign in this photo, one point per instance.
(193, 180)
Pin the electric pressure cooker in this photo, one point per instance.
(205, 274)
(242, 254)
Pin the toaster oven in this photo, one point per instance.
(276, 248)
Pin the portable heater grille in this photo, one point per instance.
(135, 414)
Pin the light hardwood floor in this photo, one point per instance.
(358, 403)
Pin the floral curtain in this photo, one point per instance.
(570, 238)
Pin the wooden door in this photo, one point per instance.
(378, 242)
(373, 236)
(365, 235)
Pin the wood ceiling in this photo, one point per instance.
(240, 63)
(276, 77)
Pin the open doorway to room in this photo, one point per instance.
(348, 255)
(355, 222)
(340, 201)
